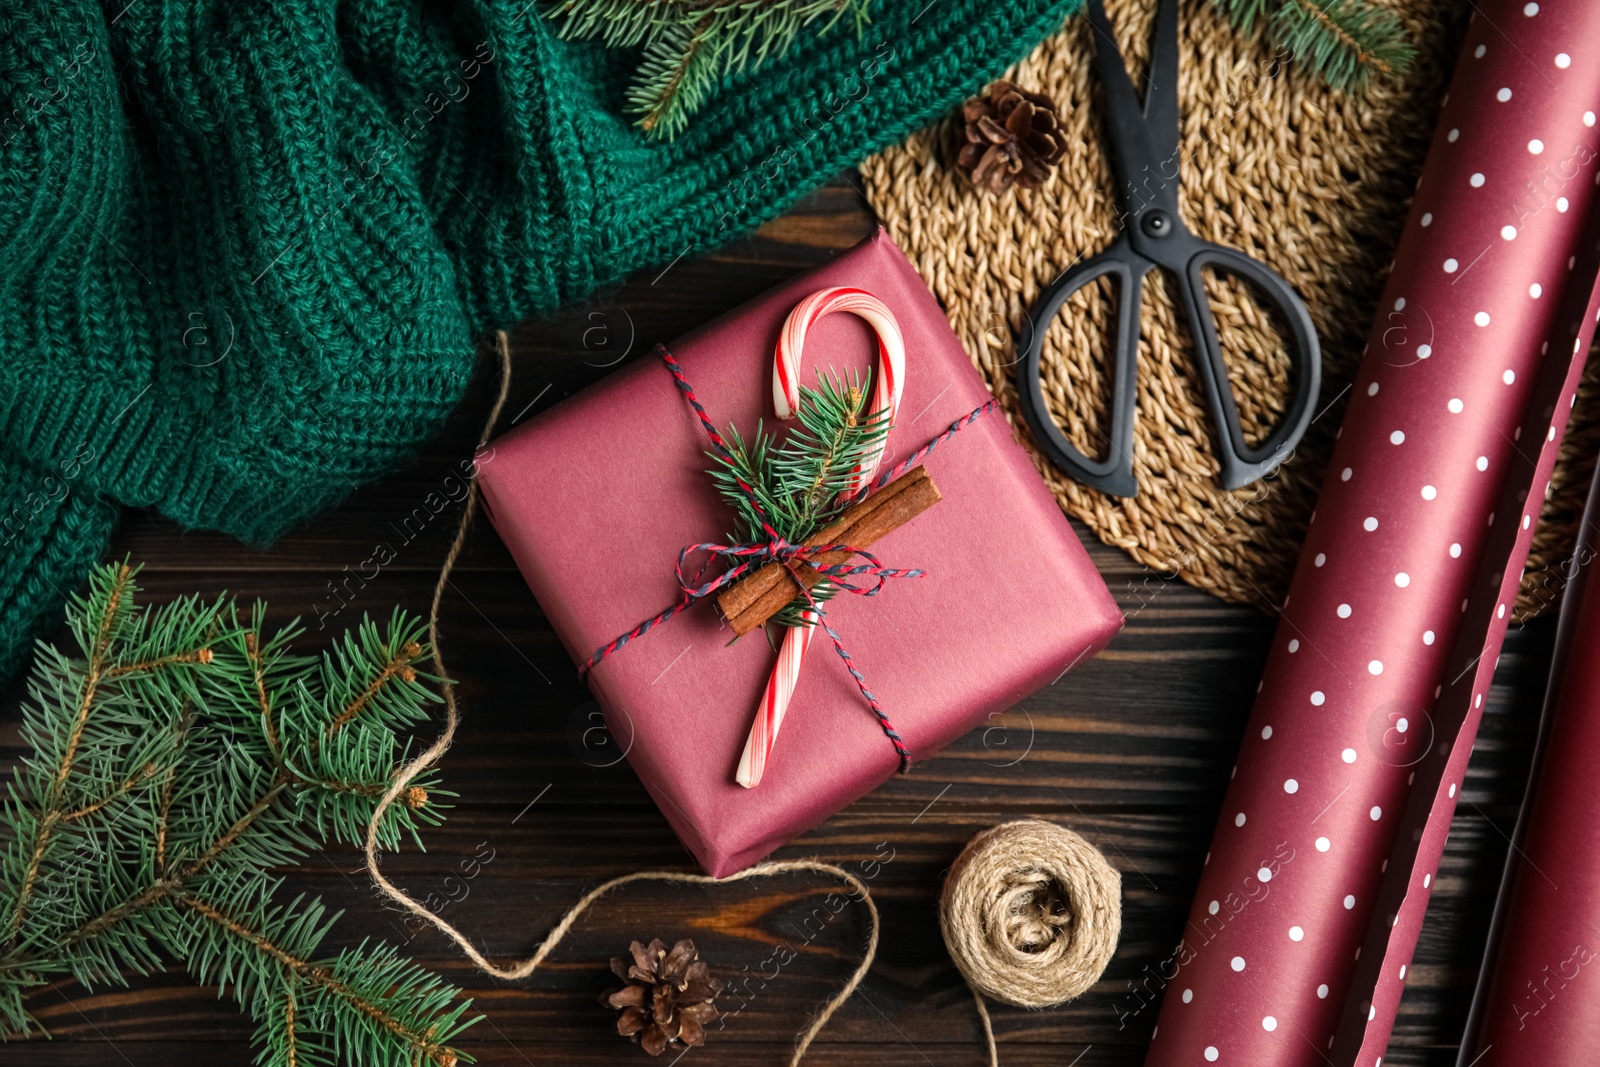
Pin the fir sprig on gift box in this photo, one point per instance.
(804, 481)
(689, 44)
(179, 755)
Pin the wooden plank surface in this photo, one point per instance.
(1133, 750)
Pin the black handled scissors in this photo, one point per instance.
(1144, 150)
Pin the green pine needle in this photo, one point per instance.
(1346, 42)
(801, 483)
(1243, 13)
(677, 70)
(691, 44)
(178, 755)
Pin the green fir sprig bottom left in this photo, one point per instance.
(179, 755)
(802, 482)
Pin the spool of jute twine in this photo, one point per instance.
(1023, 898)
(1030, 913)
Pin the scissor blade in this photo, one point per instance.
(1136, 157)
(1161, 93)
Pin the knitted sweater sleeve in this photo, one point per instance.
(248, 243)
(543, 189)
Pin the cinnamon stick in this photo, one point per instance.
(753, 600)
(848, 528)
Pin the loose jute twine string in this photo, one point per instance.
(1030, 911)
(452, 719)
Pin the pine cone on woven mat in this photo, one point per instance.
(666, 996)
(1011, 135)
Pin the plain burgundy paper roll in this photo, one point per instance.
(1538, 999)
(1324, 852)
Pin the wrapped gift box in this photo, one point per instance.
(596, 496)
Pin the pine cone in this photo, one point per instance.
(1011, 135)
(666, 996)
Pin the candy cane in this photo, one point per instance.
(887, 386)
(891, 357)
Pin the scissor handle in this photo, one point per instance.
(1242, 464)
(1114, 474)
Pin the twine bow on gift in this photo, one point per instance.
(751, 556)
(776, 549)
(806, 563)
(791, 556)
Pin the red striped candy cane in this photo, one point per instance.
(890, 379)
(886, 390)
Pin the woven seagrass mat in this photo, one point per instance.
(1313, 182)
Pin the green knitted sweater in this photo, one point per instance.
(247, 243)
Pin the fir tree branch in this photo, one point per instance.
(252, 648)
(1344, 41)
(164, 820)
(668, 86)
(164, 887)
(414, 798)
(1349, 37)
(1342, 35)
(97, 665)
(804, 482)
(291, 1040)
(29, 879)
(399, 666)
(50, 816)
(1243, 13)
(322, 977)
(243, 823)
(198, 655)
(144, 797)
(144, 774)
(164, 805)
(139, 777)
(834, 439)
(689, 44)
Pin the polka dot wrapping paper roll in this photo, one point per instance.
(1313, 894)
(1538, 998)
(1440, 766)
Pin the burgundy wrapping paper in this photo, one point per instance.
(596, 496)
(1538, 997)
(1312, 896)
(1373, 998)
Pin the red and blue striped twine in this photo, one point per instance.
(752, 555)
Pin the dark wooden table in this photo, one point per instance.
(1132, 750)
